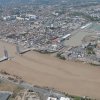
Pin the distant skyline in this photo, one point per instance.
(8, 2)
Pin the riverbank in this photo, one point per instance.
(45, 70)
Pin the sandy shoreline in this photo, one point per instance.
(46, 70)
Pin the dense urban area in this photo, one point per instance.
(69, 31)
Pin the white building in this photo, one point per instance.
(64, 98)
(51, 98)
